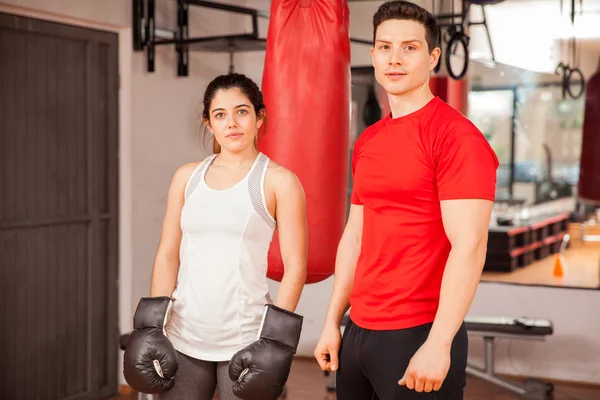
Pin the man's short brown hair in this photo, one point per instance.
(405, 10)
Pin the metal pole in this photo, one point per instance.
(488, 352)
(496, 381)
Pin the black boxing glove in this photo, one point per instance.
(150, 360)
(261, 369)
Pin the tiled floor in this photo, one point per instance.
(307, 382)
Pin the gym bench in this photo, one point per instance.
(492, 328)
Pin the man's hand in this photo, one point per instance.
(427, 368)
(327, 349)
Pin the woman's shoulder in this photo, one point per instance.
(278, 171)
(185, 171)
(281, 178)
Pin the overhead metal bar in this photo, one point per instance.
(146, 35)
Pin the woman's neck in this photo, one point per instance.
(243, 159)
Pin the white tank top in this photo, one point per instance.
(222, 284)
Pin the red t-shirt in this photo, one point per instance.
(402, 168)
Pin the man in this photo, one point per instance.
(412, 252)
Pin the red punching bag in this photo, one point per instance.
(306, 87)
(452, 91)
(589, 170)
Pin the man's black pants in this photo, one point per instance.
(372, 363)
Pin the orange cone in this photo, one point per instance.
(559, 270)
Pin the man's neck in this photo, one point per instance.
(408, 103)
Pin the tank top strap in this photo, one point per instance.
(256, 189)
(197, 175)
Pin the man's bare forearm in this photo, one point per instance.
(459, 284)
(347, 256)
(164, 276)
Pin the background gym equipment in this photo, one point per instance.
(492, 328)
(307, 125)
(571, 74)
(589, 173)
(518, 244)
(146, 35)
(588, 187)
(456, 36)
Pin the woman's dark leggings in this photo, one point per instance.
(198, 380)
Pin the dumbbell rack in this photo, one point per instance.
(517, 246)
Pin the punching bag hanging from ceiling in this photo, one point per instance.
(589, 170)
(306, 87)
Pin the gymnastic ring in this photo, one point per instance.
(568, 83)
(448, 33)
(562, 69)
(463, 39)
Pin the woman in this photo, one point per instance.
(212, 257)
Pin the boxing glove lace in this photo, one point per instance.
(261, 369)
(150, 360)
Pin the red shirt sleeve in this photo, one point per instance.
(466, 168)
(354, 198)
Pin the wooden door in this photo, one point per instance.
(58, 210)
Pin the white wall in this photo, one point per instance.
(158, 133)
